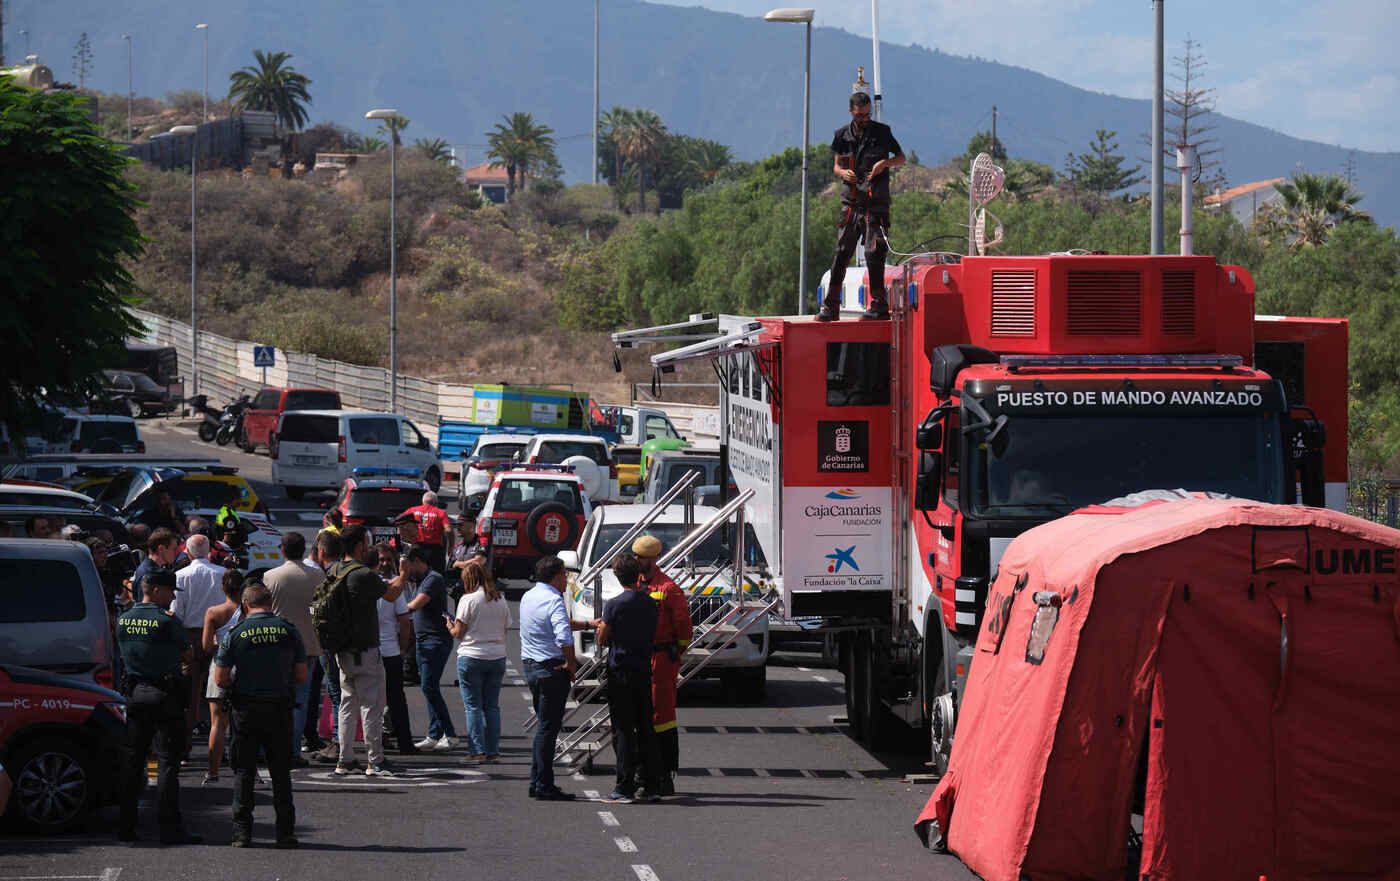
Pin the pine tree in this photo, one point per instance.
(1100, 171)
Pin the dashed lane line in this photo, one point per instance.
(609, 819)
(821, 679)
(591, 794)
(645, 873)
(625, 844)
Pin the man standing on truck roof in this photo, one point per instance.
(673, 636)
(865, 152)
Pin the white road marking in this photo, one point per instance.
(111, 873)
(714, 772)
(526, 695)
(305, 516)
(720, 729)
(821, 679)
(591, 794)
(760, 772)
(645, 873)
(578, 775)
(806, 772)
(803, 730)
(805, 669)
(625, 844)
(608, 818)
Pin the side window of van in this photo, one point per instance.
(374, 430)
(60, 600)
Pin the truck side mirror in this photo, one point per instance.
(926, 488)
(929, 435)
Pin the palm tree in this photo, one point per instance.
(613, 124)
(435, 149)
(520, 145)
(640, 142)
(272, 85)
(394, 126)
(707, 159)
(369, 144)
(1310, 206)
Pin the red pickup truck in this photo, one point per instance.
(260, 421)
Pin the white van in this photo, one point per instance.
(316, 450)
(99, 433)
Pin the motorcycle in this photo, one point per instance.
(231, 421)
(209, 423)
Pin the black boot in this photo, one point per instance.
(827, 313)
(879, 311)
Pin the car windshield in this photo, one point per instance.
(300, 428)
(312, 400)
(498, 450)
(376, 503)
(115, 490)
(714, 549)
(119, 431)
(676, 471)
(142, 382)
(1042, 465)
(556, 451)
(521, 496)
(632, 456)
(211, 494)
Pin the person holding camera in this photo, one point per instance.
(154, 649)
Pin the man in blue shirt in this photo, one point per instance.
(547, 657)
(628, 628)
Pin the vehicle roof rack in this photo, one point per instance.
(1017, 363)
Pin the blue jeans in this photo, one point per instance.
(331, 674)
(432, 660)
(299, 713)
(480, 682)
(550, 690)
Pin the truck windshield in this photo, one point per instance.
(1054, 464)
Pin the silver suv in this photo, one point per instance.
(53, 610)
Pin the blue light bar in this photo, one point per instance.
(545, 466)
(385, 472)
(1020, 362)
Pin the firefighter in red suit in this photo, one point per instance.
(673, 636)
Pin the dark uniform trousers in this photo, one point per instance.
(266, 726)
(156, 715)
(629, 704)
(860, 225)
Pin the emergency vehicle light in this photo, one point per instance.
(1019, 362)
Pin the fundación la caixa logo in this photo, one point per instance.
(842, 558)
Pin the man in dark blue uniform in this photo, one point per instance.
(154, 648)
(865, 152)
(627, 628)
(260, 663)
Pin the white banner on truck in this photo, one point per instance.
(837, 538)
(753, 446)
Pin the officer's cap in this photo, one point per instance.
(161, 578)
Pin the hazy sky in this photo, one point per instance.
(1325, 70)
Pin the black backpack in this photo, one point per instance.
(331, 613)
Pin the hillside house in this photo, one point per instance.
(488, 180)
(1245, 200)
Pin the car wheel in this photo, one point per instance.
(134, 407)
(244, 444)
(434, 479)
(551, 527)
(54, 787)
(296, 493)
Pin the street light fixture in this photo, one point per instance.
(792, 15)
(385, 114)
(193, 132)
(205, 28)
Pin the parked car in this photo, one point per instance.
(60, 743)
(589, 457)
(18, 518)
(137, 393)
(100, 433)
(491, 454)
(669, 467)
(373, 500)
(317, 450)
(53, 609)
(87, 473)
(12, 493)
(261, 420)
(628, 458)
(531, 512)
(743, 663)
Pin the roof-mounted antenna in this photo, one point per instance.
(985, 180)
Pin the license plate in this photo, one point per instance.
(504, 537)
(307, 460)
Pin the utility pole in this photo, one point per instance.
(994, 131)
(129, 90)
(595, 92)
(877, 99)
(205, 28)
(1157, 89)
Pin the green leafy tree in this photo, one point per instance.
(1100, 171)
(436, 149)
(82, 59)
(982, 142)
(369, 144)
(272, 84)
(68, 235)
(1309, 208)
(521, 146)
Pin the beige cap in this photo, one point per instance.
(647, 546)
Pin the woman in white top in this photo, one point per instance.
(480, 625)
(218, 621)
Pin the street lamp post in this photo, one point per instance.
(205, 28)
(595, 91)
(387, 113)
(801, 16)
(193, 132)
(129, 92)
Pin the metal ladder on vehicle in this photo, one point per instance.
(712, 636)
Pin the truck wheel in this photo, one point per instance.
(434, 479)
(942, 721)
(854, 680)
(874, 726)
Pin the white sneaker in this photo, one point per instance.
(427, 743)
(446, 743)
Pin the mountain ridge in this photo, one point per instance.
(718, 75)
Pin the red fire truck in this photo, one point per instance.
(894, 461)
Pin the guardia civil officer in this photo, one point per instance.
(154, 649)
(260, 663)
(865, 152)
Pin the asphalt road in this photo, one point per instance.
(777, 791)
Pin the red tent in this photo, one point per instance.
(1254, 652)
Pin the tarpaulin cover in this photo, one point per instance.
(1253, 650)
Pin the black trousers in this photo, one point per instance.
(395, 701)
(549, 689)
(856, 226)
(152, 716)
(311, 731)
(264, 726)
(629, 704)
